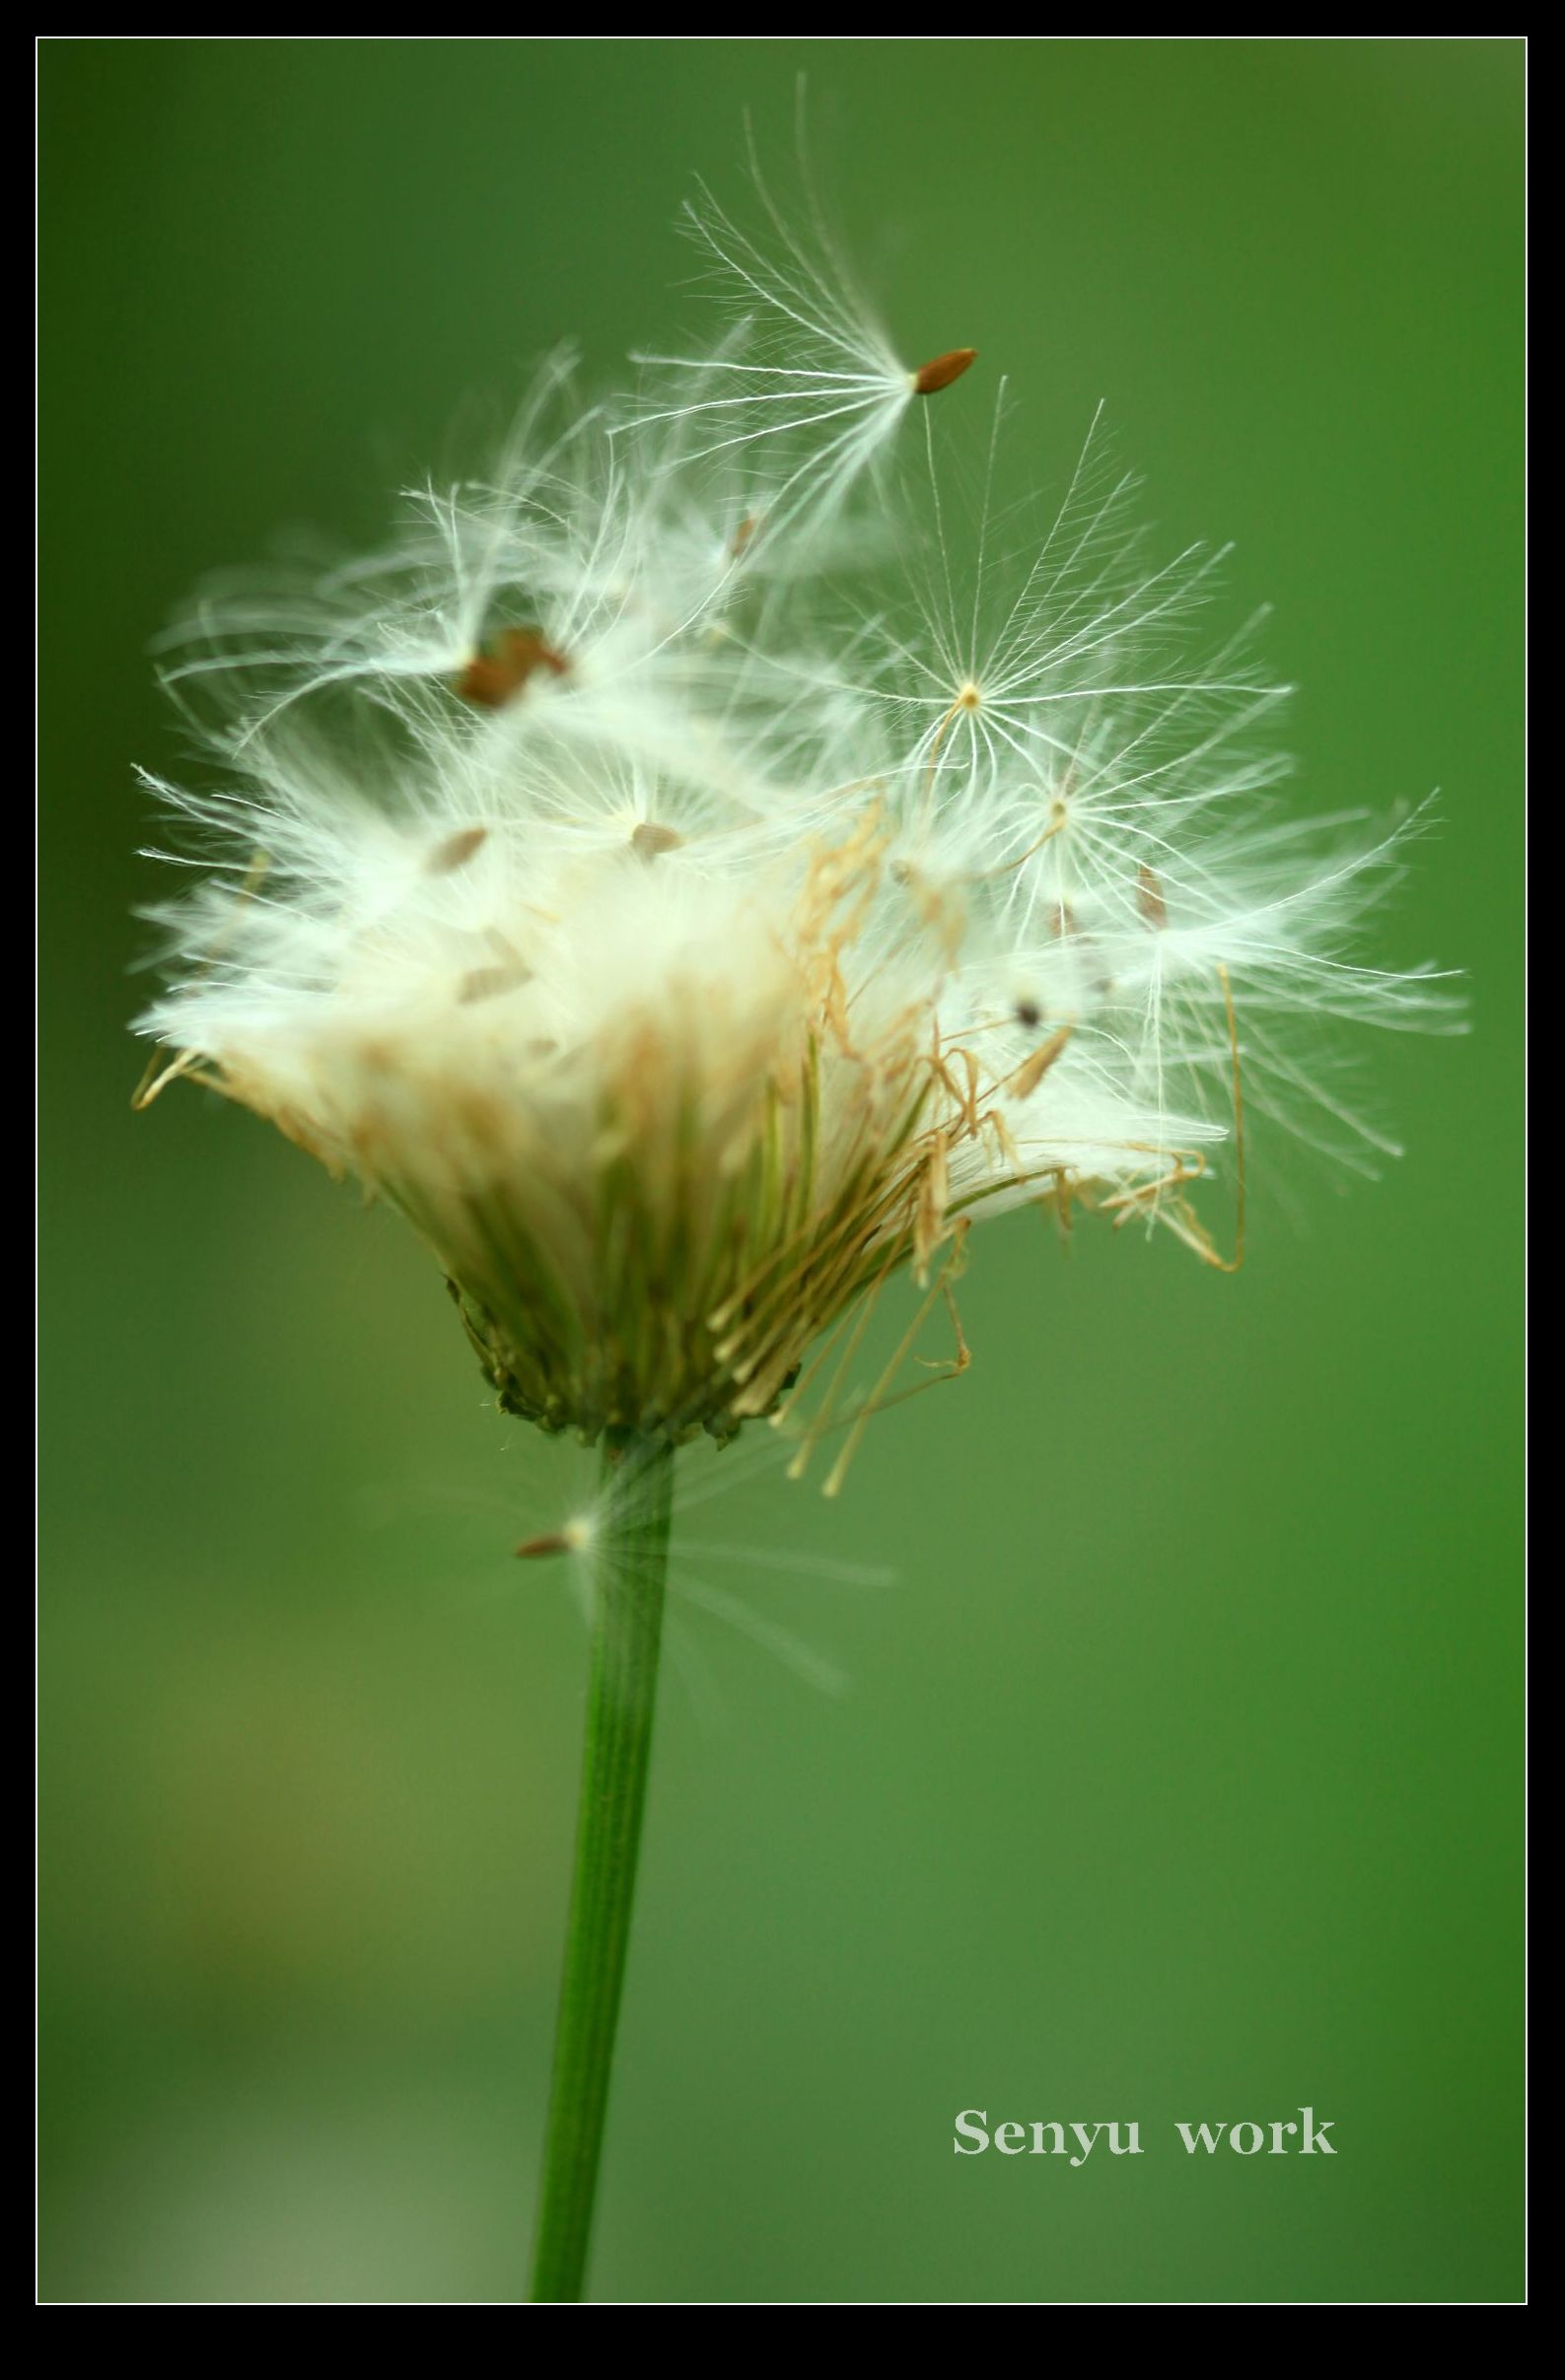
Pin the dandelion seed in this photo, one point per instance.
(808, 381)
(941, 370)
(455, 850)
(648, 839)
(492, 679)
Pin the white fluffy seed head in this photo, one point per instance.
(686, 937)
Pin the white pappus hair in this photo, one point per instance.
(691, 893)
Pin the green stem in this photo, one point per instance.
(632, 1558)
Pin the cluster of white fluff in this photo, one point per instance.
(690, 890)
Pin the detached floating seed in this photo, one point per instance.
(941, 370)
(497, 677)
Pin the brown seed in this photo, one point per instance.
(941, 370)
(649, 839)
(535, 1548)
(455, 851)
(487, 983)
(1149, 896)
(1032, 1071)
(493, 678)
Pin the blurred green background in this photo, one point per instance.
(1177, 1775)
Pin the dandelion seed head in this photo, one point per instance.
(692, 898)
